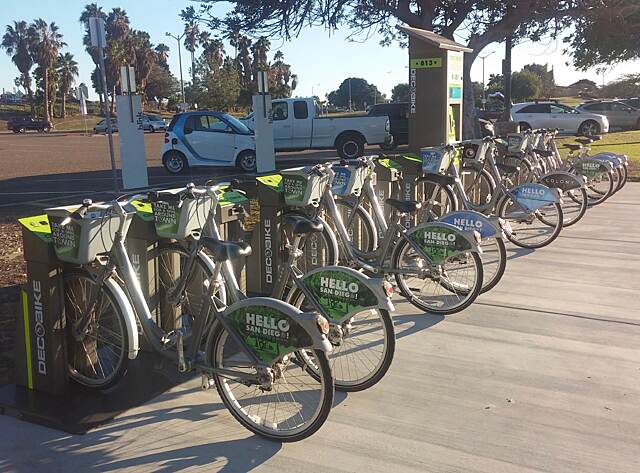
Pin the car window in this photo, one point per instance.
(209, 123)
(173, 122)
(300, 110)
(596, 107)
(619, 107)
(240, 127)
(535, 108)
(559, 109)
(280, 111)
(378, 110)
(154, 118)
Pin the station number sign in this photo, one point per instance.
(426, 63)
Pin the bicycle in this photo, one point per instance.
(521, 205)
(529, 151)
(363, 216)
(357, 307)
(436, 266)
(245, 349)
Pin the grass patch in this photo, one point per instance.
(76, 123)
(624, 142)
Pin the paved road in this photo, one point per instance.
(40, 169)
(541, 375)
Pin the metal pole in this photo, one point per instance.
(484, 86)
(181, 80)
(107, 113)
(507, 78)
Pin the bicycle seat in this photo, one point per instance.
(544, 152)
(404, 206)
(583, 141)
(300, 225)
(225, 250)
(595, 137)
(437, 179)
(572, 147)
(506, 168)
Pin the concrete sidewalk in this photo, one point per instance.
(541, 374)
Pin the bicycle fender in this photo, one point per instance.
(613, 158)
(470, 220)
(532, 196)
(592, 167)
(439, 241)
(565, 181)
(343, 292)
(272, 328)
(129, 316)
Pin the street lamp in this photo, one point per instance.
(178, 39)
(312, 87)
(484, 87)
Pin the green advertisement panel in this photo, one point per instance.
(440, 242)
(269, 332)
(340, 293)
(167, 216)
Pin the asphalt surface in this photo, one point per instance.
(542, 374)
(40, 170)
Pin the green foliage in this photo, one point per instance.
(220, 89)
(400, 93)
(608, 33)
(547, 79)
(525, 85)
(361, 93)
(627, 86)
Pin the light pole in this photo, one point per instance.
(178, 39)
(312, 87)
(484, 87)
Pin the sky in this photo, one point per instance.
(320, 59)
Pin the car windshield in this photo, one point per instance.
(154, 118)
(237, 124)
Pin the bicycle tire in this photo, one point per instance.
(583, 202)
(557, 228)
(329, 246)
(470, 295)
(490, 281)
(381, 368)
(253, 422)
(426, 191)
(367, 227)
(72, 302)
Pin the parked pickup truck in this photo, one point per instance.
(24, 124)
(297, 124)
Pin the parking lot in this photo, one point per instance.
(40, 169)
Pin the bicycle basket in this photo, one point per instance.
(301, 188)
(435, 159)
(80, 242)
(348, 180)
(178, 217)
(516, 144)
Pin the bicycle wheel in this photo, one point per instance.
(319, 249)
(296, 405)
(167, 267)
(529, 229)
(600, 187)
(437, 201)
(446, 289)
(363, 348)
(479, 186)
(494, 262)
(99, 359)
(574, 206)
(363, 234)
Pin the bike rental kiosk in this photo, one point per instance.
(436, 67)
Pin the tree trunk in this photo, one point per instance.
(31, 101)
(64, 105)
(468, 105)
(113, 100)
(47, 116)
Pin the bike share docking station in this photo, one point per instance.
(42, 392)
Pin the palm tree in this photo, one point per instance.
(67, 72)
(144, 56)
(118, 51)
(92, 10)
(16, 42)
(45, 41)
(191, 42)
(162, 55)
